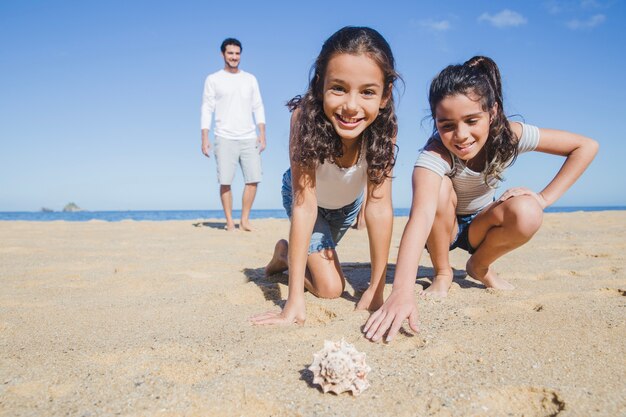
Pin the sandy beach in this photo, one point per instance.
(150, 319)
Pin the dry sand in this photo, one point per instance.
(150, 319)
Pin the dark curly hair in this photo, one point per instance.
(480, 76)
(230, 41)
(315, 139)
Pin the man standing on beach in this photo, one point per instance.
(234, 96)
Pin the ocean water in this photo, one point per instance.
(162, 215)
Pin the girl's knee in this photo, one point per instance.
(330, 294)
(330, 288)
(526, 213)
(328, 279)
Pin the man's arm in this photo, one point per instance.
(206, 144)
(259, 113)
(206, 114)
(261, 138)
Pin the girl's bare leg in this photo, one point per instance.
(279, 259)
(499, 229)
(442, 233)
(324, 277)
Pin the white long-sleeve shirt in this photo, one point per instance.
(234, 98)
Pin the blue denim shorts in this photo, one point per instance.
(330, 225)
(462, 237)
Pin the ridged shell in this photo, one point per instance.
(339, 367)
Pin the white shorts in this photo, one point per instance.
(232, 152)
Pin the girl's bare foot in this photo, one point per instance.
(440, 286)
(486, 276)
(279, 259)
(230, 227)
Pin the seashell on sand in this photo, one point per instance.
(339, 367)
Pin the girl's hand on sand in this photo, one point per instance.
(399, 306)
(517, 191)
(293, 313)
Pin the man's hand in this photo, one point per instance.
(261, 141)
(206, 148)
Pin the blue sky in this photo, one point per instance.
(100, 100)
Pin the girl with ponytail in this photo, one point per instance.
(454, 186)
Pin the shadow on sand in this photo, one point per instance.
(425, 277)
(213, 225)
(357, 275)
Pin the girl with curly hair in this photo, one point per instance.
(454, 184)
(342, 141)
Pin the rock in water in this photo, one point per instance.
(71, 207)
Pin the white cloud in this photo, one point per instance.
(554, 6)
(569, 6)
(504, 19)
(590, 23)
(590, 4)
(435, 25)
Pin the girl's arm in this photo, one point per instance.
(304, 213)
(579, 152)
(379, 220)
(303, 218)
(401, 303)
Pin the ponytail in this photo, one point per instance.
(480, 75)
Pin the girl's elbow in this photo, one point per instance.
(590, 149)
(587, 148)
(594, 147)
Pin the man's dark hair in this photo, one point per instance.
(230, 41)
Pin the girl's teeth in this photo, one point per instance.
(346, 120)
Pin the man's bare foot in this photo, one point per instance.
(440, 286)
(487, 276)
(369, 301)
(279, 259)
(245, 226)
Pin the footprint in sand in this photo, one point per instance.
(409, 341)
(527, 401)
(614, 291)
(319, 315)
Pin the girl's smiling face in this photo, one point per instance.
(463, 125)
(353, 93)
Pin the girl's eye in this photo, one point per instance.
(369, 93)
(446, 127)
(472, 121)
(337, 88)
